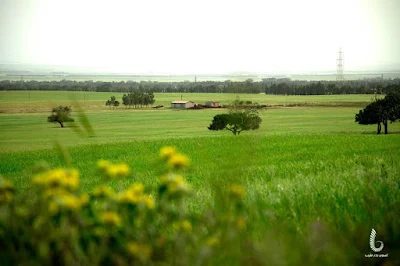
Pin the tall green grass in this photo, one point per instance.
(320, 192)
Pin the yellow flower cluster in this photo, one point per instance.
(65, 178)
(111, 170)
(135, 195)
(167, 152)
(174, 184)
(6, 190)
(184, 226)
(60, 186)
(237, 192)
(110, 218)
(174, 160)
(140, 251)
(103, 192)
(68, 202)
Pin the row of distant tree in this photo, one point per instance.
(139, 98)
(270, 86)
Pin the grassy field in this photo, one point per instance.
(42, 101)
(313, 177)
(24, 126)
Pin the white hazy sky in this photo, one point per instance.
(202, 36)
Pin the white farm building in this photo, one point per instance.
(182, 104)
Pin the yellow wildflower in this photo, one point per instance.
(55, 177)
(103, 192)
(103, 165)
(136, 188)
(178, 161)
(50, 178)
(39, 179)
(110, 218)
(66, 201)
(71, 202)
(54, 192)
(112, 170)
(149, 201)
(212, 241)
(238, 191)
(167, 152)
(68, 178)
(72, 179)
(135, 195)
(117, 170)
(173, 184)
(128, 198)
(140, 251)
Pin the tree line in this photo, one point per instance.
(138, 99)
(275, 86)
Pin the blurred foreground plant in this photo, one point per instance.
(55, 222)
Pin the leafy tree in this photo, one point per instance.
(137, 98)
(60, 115)
(112, 102)
(380, 112)
(219, 122)
(240, 117)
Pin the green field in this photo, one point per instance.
(35, 102)
(306, 164)
(24, 126)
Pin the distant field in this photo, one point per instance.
(42, 101)
(180, 78)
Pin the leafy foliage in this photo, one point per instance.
(112, 102)
(242, 116)
(219, 122)
(138, 98)
(274, 86)
(380, 111)
(60, 115)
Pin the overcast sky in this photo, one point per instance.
(202, 36)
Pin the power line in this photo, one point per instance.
(339, 66)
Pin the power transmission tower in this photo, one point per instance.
(339, 66)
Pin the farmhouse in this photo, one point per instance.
(212, 104)
(182, 104)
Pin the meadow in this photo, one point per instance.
(316, 182)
